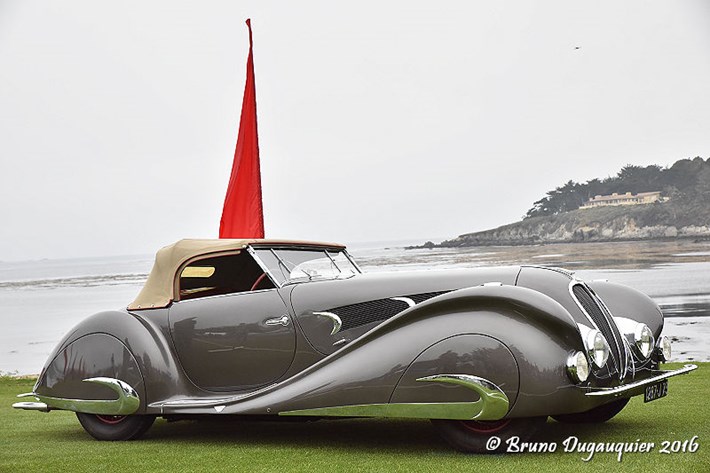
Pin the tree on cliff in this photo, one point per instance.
(686, 179)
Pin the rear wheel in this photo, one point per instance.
(103, 427)
(598, 414)
(474, 436)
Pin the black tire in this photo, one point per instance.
(473, 436)
(597, 415)
(115, 427)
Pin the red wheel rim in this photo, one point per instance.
(485, 427)
(111, 420)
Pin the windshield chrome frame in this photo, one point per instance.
(264, 268)
(352, 261)
(252, 251)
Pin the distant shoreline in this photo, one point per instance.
(471, 244)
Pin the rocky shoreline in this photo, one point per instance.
(581, 226)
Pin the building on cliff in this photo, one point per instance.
(624, 199)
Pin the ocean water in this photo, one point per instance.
(40, 301)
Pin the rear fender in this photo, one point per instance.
(88, 373)
(118, 345)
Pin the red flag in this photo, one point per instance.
(243, 212)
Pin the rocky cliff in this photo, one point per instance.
(650, 221)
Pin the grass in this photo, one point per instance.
(34, 441)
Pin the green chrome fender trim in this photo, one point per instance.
(492, 405)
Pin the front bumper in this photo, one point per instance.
(637, 387)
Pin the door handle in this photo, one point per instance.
(283, 320)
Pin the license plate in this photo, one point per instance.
(656, 391)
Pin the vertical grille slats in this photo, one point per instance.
(604, 322)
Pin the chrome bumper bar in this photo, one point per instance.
(639, 385)
(31, 406)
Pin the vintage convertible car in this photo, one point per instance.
(275, 329)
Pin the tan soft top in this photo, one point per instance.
(158, 290)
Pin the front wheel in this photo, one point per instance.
(474, 436)
(599, 414)
(103, 427)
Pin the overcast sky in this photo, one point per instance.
(377, 120)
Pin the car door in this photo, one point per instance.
(235, 341)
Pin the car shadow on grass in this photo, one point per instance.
(375, 434)
(366, 434)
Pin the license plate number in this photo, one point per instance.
(656, 391)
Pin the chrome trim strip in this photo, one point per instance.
(186, 403)
(31, 406)
(617, 391)
(406, 300)
(630, 363)
(127, 402)
(337, 322)
(495, 402)
(492, 405)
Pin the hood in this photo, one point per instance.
(416, 285)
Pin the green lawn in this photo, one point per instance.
(34, 441)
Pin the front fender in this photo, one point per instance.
(476, 355)
(623, 301)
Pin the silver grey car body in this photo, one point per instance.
(287, 328)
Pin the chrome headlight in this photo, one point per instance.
(664, 348)
(638, 335)
(597, 348)
(577, 367)
(643, 338)
(596, 345)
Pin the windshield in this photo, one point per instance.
(296, 265)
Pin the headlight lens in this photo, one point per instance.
(664, 347)
(644, 340)
(577, 367)
(597, 347)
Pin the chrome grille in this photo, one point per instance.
(602, 319)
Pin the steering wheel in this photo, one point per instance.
(258, 280)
